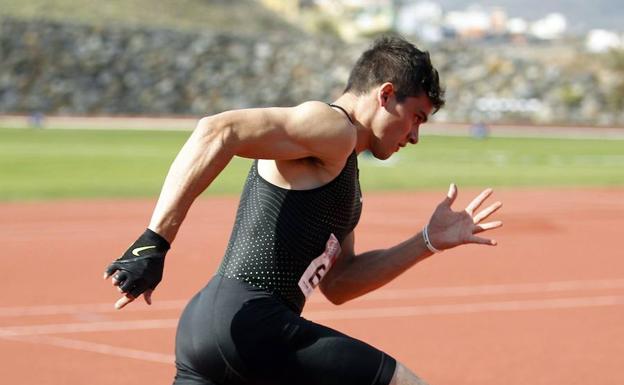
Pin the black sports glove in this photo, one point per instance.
(141, 266)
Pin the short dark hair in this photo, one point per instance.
(393, 59)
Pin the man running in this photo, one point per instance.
(294, 229)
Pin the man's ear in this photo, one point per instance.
(384, 93)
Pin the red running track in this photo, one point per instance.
(546, 306)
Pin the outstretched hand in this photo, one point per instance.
(448, 228)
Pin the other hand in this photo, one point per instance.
(140, 269)
(448, 228)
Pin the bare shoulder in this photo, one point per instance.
(309, 130)
(331, 134)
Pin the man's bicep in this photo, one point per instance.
(281, 133)
(329, 282)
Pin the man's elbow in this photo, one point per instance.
(213, 128)
(208, 125)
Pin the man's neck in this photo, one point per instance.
(356, 107)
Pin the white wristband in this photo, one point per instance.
(428, 242)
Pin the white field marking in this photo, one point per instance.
(86, 346)
(479, 307)
(383, 294)
(87, 308)
(82, 327)
(338, 314)
(466, 291)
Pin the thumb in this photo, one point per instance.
(451, 195)
(147, 296)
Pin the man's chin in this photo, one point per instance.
(382, 156)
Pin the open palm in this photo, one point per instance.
(448, 228)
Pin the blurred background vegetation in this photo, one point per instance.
(539, 63)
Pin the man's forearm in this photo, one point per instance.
(368, 271)
(198, 163)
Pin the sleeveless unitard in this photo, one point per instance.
(245, 326)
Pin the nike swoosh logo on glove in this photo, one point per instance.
(137, 250)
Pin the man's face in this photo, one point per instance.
(397, 123)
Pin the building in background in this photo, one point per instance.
(600, 41)
(551, 27)
(426, 20)
(423, 19)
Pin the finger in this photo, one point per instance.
(147, 296)
(482, 241)
(127, 286)
(451, 194)
(123, 301)
(138, 289)
(487, 212)
(487, 226)
(110, 270)
(119, 278)
(478, 200)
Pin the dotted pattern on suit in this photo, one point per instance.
(278, 232)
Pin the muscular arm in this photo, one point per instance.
(310, 130)
(354, 275)
(204, 155)
(268, 133)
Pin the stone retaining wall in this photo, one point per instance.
(76, 69)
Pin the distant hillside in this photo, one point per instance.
(242, 16)
(581, 14)
(250, 17)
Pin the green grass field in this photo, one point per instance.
(51, 164)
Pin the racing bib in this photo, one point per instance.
(320, 266)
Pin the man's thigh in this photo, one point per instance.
(317, 354)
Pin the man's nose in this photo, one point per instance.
(413, 136)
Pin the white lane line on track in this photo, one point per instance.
(479, 307)
(87, 308)
(97, 348)
(338, 314)
(522, 288)
(383, 294)
(83, 327)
